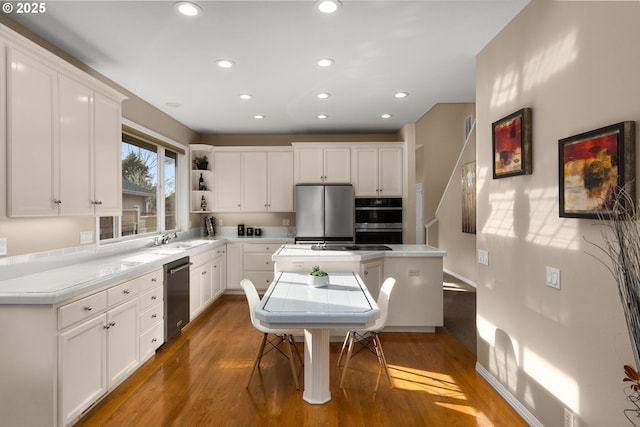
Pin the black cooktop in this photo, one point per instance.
(339, 247)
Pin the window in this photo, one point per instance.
(149, 191)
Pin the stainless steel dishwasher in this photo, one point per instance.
(176, 297)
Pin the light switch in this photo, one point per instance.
(3, 246)
(553, 277)
(483, 257)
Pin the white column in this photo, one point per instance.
(316, 366)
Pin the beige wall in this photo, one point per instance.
(576, 65)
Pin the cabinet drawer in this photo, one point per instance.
(257, 261)
(198, 260)
(81, 309)
(150, 280)
(261, 279)
(262, 247)
(151, 340)
(122, 292)
(151, 297)
(151, 316)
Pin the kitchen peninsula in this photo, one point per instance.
(416, 304)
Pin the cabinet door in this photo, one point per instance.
(390, 172)
(107, 162)
(365, 172)
(337, 165)
(372, 274)
(308, 165)
(206, 284)
(195, 290)
(122, 341)
(219, 272)
(228, 181)
(254, 181)
(31, 137)
(82, 368)
(280, 191)
(234, 266)
(75, 164)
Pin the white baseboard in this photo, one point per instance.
(510, 398)
(461, 278)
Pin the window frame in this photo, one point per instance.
(132, 132)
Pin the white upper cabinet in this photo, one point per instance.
(254, 180)
(377, 171)
(63, 139)
(228, 181)
(321, 164)
(32, 150)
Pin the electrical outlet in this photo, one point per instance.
(285, 222)
(483, 257)
(3, 246)
(86, 237)
(553, 277)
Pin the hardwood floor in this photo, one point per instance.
(199, 380)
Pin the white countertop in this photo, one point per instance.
(55, 285)
(301, 253)
(292, 303)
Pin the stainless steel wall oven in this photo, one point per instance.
(378, 220)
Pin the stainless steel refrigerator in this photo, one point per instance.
(324, 213)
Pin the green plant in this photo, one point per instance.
(198, 160)
(316, 271)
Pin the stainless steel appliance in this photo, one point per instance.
(324, 213)
(378, 220)
(176, 297)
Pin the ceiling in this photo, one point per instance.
(425, 48)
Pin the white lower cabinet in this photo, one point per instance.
(372, 273)
(207, 279)
(257, 263)
(219, 272)
(95, 356)
(103, 338)
(82, 370)
(234, 266)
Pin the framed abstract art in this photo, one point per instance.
(592, 166)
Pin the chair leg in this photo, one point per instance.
(291, 363)
(344, 345)
(351, 336)
(381, 359)
(293, 343)
(258, 358)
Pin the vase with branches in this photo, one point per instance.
(620, 232)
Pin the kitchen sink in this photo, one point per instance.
(339, 247)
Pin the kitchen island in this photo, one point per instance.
(416, 304)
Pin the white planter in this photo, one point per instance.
(318, 281)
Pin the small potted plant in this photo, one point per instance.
(201, 162)
(318, 278)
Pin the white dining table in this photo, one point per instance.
(291, 303)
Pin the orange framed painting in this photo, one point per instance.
(512, 145)
(592, 166)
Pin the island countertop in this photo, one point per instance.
(301, 253)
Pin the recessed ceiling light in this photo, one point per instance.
(323, 95)
(386, 116)
(322, 116)
(401, 94)
(328, 6)
(246, 96)
(258, 117)
(224, 63)
(173, 104)
(187, 8)
(325, 62)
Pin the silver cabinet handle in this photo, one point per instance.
(96, 202)
(153, 316)
(88, 308)
(126, 291)
(153, 298)
(154, 340)
(57, 202)
(203, 273)
(154, 279)
(182, 267)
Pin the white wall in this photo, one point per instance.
(576, 65)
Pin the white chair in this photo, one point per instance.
(368, 336)
(279, 336)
